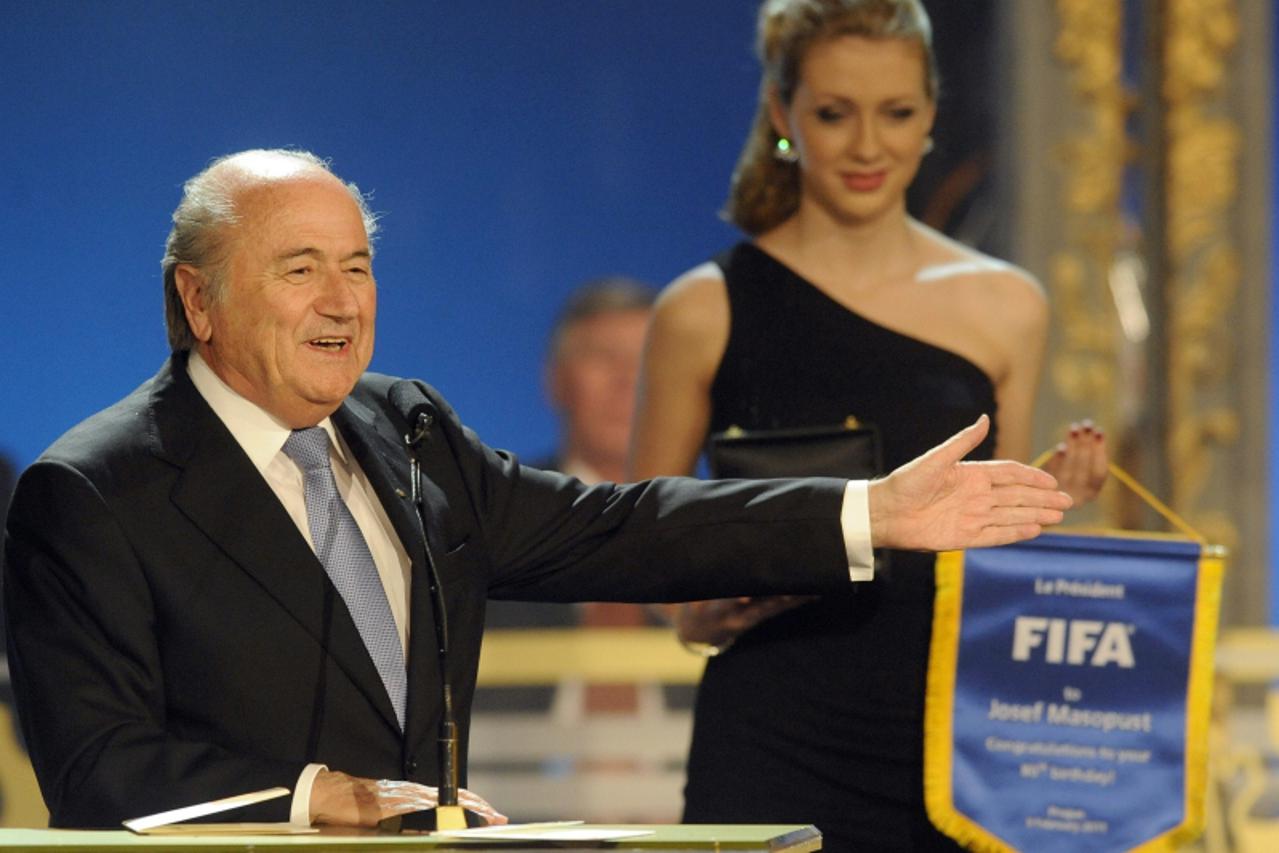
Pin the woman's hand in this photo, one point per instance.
(720, 621)
(1080, 463)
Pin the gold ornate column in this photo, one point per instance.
(1092, 163)
(1094, 234)
(1202, 182)
(1145, 208)
(1216, 368)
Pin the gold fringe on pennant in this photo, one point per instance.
(939, 712)
(1198, 707)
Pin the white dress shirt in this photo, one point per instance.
(854, 518)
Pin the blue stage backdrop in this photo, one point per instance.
(514, 149)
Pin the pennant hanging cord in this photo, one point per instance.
(1140, 491)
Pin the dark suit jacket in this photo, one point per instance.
(173, 638)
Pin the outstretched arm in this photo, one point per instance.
(940, 503)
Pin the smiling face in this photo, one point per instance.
(291, 328)
(859, 117)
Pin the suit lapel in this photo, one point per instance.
(223, 494)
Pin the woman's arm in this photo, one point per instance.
(1019, 310)
(685, 342)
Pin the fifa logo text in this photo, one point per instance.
(1075, 642)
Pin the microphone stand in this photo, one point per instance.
(447, 814)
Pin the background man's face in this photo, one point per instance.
(592, 382)
(293, 329)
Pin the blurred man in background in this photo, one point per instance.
(592, 367)
(591, 372)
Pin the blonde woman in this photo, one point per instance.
(838, 304)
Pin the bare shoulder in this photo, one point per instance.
(693, 306)
(980, 280)
(688, 332)
(700, 287)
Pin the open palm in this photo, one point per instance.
(939, 503)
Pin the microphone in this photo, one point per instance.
(412, 404)
(418, 412)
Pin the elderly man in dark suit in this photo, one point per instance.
(221, 583)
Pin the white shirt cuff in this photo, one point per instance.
(300, 812)
(854, 518)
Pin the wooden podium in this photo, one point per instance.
(688, 837)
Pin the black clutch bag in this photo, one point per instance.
(850, 450)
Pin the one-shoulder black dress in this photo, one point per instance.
(815, 716)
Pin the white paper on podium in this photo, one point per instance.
(168, 823)
(564, 830)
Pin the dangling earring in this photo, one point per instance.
(928, 145)
(784, 151)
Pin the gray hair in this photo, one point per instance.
(611, 295)
(208, 207)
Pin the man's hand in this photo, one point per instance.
(341, 800)
(938, 503)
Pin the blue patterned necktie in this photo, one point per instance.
(345, 556)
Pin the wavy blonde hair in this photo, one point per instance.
(765, 191)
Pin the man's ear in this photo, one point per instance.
(193, 289)
(777, 114)
(553, 383)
